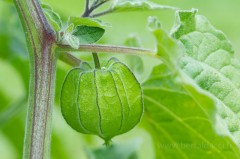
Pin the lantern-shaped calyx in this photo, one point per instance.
(105, 102)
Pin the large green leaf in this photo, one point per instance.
(209, 60)
(182, 116)
(181, 119)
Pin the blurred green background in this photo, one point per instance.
(14, 73)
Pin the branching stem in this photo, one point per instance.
(102, 13)
(96, 4)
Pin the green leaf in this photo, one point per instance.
(82, 31)
(181, 119)
(88, 35)
(182, 116)
(53, 17)
(209, 60)
(137, 5)
(69, 39)
(167, 49)
(117, 151)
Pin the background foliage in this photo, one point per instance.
(66, 143)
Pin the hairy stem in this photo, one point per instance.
(106, 49)
(70, 59)
(41, 44)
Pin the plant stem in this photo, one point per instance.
(96, 60)
(102, 13)
(95, 5)
(41, 44)
(86, 9)
(70, 59)
(87, 13)
(87, 5)
(106, 48)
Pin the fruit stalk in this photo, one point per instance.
(96, 60)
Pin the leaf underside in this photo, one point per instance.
(209, 60)
(199, 77)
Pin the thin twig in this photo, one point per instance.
(95, 5)
(101, 13)
(69, 59)
(85, 13)
(87, 5)
(106, 49)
